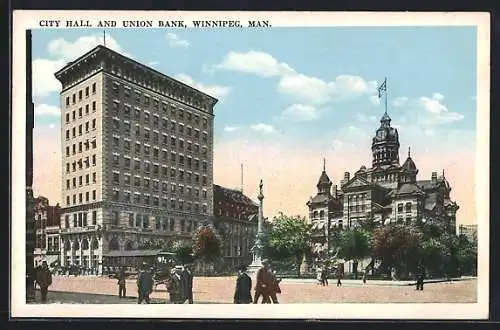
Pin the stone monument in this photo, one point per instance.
(258, 248)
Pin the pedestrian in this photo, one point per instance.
(44, 280)
(144, 285)
(339, 275)
(242, 293)
(122, 285)
(275, 289)
(324, 276)
(420, 277)
(264, 282)
(175, 286)
(187, 276)
(364, 277)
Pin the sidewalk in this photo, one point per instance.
(378, 282)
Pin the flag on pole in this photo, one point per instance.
(382, 88)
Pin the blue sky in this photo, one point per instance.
(309, 89)
(418, 62)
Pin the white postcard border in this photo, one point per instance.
(23, 20)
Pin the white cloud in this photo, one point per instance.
(364, 118)
(262, 128)
(437, 96)
(44, 81)
(306, 89)
(399, 101)
(52, 126)
(230, 128)
(61, 52)
(153, 63)
(174, 41)
(375, 99)
(301, 112)
(337, 145)
(216, 91)
(437, 111)
(47, 110)
(259, 63)
(69, 51)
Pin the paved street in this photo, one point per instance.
(220, 290)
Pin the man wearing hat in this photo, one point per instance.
(265, 283)
(242, 293)
(175, 286)
(144, 284)
(187, 280)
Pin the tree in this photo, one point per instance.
(467, 255)
(183, 252)
(354, 245)
(397, 246)
(207, 243)
(290, 236)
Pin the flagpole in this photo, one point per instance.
(385, 83)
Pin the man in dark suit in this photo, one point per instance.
(265, 283)
(187, 277)
(144, 284)
(242, 293)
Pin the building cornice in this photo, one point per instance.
(106, 59)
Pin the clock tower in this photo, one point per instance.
(385, 144)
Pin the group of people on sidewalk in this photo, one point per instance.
(179, 284)
(267, 286)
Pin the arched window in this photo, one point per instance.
(341, 225)
(113, 245)
(128, 246)
(76, 245)
(94, 244)
(67, 245)
(321, 214)
(408, 207)
(85, 244)
(315, 214)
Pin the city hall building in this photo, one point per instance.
(137, 158)
(387, 192)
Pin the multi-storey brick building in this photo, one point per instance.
(385, 193)
(137, 157)
(47, 222)
(235, 217)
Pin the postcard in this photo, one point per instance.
(327, 165)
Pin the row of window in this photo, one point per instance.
(80, 111)
(146, 199)
(73, 130)
(147, 183)
(80, 182)
(183, 161)
(139, 220)
(144, 118)
(145, 100)
(407, 207)
(146, 150)
(80, 94)
(80, 219)
(79, 164)
(82, 146)
(174, 174)
(81, 198)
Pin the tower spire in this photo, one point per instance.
(241, 178)
(324, 164)
(409, 151)
(104, 38)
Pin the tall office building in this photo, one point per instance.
(137, 158)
